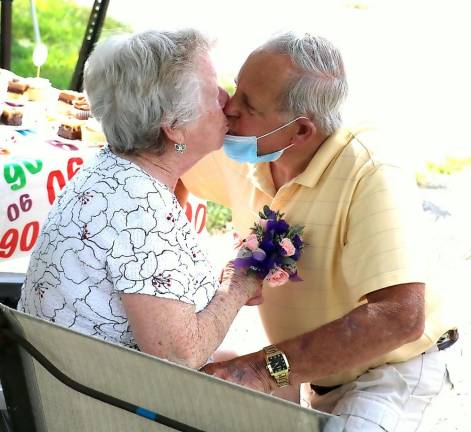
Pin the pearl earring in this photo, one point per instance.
(180, 147)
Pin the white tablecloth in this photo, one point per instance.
(34, 166)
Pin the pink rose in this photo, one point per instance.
(263, 224)
(288, 247)
(276, 277)
(251, 242)
(238, 240)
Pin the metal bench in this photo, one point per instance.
(157, 390)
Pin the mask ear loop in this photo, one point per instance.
(282, 127)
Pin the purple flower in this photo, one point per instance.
(271, 224)
(270, 214)
(281, 227)
(259, 254)
(297, 241)
(271, 248)
(267, 243)
(245, 263)
(268, 263)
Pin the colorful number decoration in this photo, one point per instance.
(13, 210)
(15, 175)
(12, 238)
(26, 237)
(62, 145)
(199, 220)
(56, 179)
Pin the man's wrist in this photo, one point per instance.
(260, 364)
(277, 365)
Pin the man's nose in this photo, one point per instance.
(230, 109)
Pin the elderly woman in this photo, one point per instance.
(117, 258)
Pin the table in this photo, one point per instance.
(35, 164)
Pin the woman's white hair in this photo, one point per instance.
(320, 87)
(137, 83)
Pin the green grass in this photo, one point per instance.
(62, 26)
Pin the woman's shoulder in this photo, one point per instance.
(125, 178)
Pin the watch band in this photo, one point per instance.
(281, 377)
(271, 349)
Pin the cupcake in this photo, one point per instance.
(16, 90)
(82, 108)
(70, 128)
(12, 116)
(39, 89)
(17, 85)
(69, 96)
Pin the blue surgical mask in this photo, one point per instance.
(244, 148)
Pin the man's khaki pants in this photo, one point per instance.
(392, 397)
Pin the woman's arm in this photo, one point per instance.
(171, 329)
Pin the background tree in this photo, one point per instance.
(62, 25)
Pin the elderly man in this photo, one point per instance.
(362, 333)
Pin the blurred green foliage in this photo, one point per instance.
(219, 218)
(62, 25)
(228, 85)
(450, 166)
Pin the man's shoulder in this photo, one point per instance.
(374, 146)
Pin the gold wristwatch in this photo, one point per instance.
(277, 365)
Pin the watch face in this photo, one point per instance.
(277, 363)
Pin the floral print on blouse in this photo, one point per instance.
(114, 229)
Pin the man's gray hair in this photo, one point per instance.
(321, 86)
(137, 83)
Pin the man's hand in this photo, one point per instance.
(248, 371)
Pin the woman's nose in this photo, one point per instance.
(223, 97)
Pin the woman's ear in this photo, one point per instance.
(173, 134)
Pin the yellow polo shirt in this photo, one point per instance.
(362, 218)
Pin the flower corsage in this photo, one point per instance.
(272, 249)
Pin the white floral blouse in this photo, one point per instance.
(113, 230)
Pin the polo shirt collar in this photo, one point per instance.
(260, 174)
(331, 147)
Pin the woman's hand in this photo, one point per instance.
(257, 298)
(237, 279)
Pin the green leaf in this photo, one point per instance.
(288, 261)
(295, 230)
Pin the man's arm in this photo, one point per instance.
(392, 317)
(207, 179)
(181, 192)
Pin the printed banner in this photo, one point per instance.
(33, 171)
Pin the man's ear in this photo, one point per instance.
(306, 130)
(173, 134)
